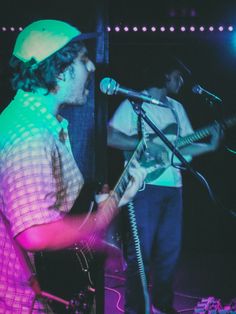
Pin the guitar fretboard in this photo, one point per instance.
(124, 179)
(203, 133)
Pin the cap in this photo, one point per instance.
(42, 38)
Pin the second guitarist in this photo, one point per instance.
(158, 207)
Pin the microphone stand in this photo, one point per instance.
(137, 106)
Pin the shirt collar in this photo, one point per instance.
(35, 102)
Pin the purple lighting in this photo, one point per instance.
(192, 29)
(230, 28)
(153, 29)
(221, 28)
(135, 28)
(172, 13)
(172, 29)
(144, 28)
(108, 28)
(211, 28)
(182, 28)
(126, 29)
(117, 29)
(201, 28)
(162, 29)
(193, 12)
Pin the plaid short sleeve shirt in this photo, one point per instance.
(39, 182)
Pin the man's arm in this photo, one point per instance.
(197, 149)
(68, 231)
(120, 140)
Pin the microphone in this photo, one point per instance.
(197, 89)
(110, 87)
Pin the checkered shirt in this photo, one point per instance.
(39, 182)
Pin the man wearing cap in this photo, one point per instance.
(158, 207)
(39, 178)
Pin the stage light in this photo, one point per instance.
(221, 28)
(183, 28)
(108, 28)
(117, 28)
(153, 29)
(144, 28)
(192, 29)
(211, 28)
(201, 28)
(4, 29)
(12, 29)
(135, 28)
(162, 29)
(126, 29)
(230, 28)
(172, 29)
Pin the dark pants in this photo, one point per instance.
(158, 212)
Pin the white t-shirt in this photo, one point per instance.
(125, 120)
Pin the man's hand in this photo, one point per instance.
(138, 175)
(216, 136)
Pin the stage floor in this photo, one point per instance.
(198, 276)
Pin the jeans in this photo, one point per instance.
(158, 211)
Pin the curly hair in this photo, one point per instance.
(31, 76)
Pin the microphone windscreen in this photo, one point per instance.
(196, 89)
(108, 86)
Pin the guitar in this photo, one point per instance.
(161, 164)
(80, 260)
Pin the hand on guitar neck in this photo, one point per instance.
(217, 134)
(110, 207)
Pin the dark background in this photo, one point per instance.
(211, 57)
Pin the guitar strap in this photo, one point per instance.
(24, 260)
(29, 270)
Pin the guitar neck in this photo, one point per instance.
(203, 133)
(196, 136)
(124, 179)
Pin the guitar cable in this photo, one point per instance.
(138, 252)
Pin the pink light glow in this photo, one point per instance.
(117, 29)
(211, 28)
(192, 29)
(172, 29)
(201, 28)
(135, 28)
(144, 28)
(126, 29)
(182, 28)
(153, 29)
(108, 28)
(162, 29)
(221, 28)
